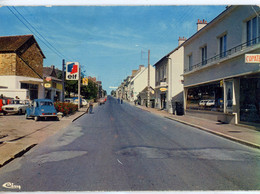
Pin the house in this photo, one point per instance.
(169, 80)
(140, 81)
(220, 81)
(21, 67)
(52, 85)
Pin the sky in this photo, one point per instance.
(108, 41)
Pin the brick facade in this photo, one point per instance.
(26, 60)
(7, 64)
(34, 58)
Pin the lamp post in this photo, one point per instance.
(148, 78)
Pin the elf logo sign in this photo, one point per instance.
(72, 71)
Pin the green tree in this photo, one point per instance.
(90, 91)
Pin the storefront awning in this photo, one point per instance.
(32, 81)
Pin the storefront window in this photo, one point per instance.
(206, 97)
(250, 99)
(229, 96)
(32, 88)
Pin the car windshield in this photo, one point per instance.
(17, 102)
(45, 103)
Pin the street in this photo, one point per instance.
(122, 148)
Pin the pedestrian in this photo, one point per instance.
(90, 107)
(118, 100)
(122, 101)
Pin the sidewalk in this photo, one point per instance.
(25, 134)
(240, 134)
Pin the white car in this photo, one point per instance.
(16, 106)
(84, 102)
(203, 102)
(210, 103)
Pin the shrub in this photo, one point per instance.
(65, 107)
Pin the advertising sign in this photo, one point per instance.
(72, 71)
(252, 58)
(85, 81)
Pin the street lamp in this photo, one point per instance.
(148, 81)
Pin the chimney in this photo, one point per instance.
(182, 40)
(201, 24)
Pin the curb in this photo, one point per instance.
(210, 131)
(217, 133)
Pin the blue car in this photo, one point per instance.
(41, 108)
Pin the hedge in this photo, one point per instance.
(66, 108)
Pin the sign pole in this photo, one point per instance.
(63, 81)
(79, 82)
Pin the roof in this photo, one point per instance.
(14, 43)
(216, 19)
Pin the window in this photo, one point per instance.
(223, 46)
(251, 31)
(190, 62)
(204, 55)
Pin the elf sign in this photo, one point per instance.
(72, 71)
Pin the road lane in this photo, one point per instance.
(120, 147)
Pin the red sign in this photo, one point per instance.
(252, 58)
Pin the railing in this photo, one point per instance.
(225, 54)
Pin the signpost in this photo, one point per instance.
(73, 73)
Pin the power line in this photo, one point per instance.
(40, 37)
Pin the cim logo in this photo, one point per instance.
(72, 71)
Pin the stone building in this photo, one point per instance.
(21, 67)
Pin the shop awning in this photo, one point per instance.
(36, 81)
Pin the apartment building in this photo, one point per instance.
(169, 80)
(21, 67)
(220, 81)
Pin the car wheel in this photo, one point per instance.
(37, 118)
(5, 113)
(20, 111)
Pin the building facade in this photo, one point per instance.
(21, 67)
(218, 82)
(169, 80)
(52, 85)
(139, 82)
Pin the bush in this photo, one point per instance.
(65, 107)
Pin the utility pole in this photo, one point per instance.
(148, 89)
(63, 81)
(79, 83)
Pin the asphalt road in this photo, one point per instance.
(122, 148)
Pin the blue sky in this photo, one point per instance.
(104, 38)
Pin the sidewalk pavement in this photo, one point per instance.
(238, 133)
(25, 134)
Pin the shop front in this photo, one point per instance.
(250, 99)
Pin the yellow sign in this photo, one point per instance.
(85, 81)
(47, 85)
(163, 89)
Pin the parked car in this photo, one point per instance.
(84, 102)
(4, 101)
(76, 101)
(101, 101)
(70, 100)
(16, 106)
(203, 102)
(41, 108)
(210, 103)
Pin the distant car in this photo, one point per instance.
(84, 102)
(210, 103)
(203, 102)
(101, 100)
(70, 100)
(41, 108)
(76, 101)
(16, 106)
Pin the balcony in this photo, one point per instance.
(233, 52)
